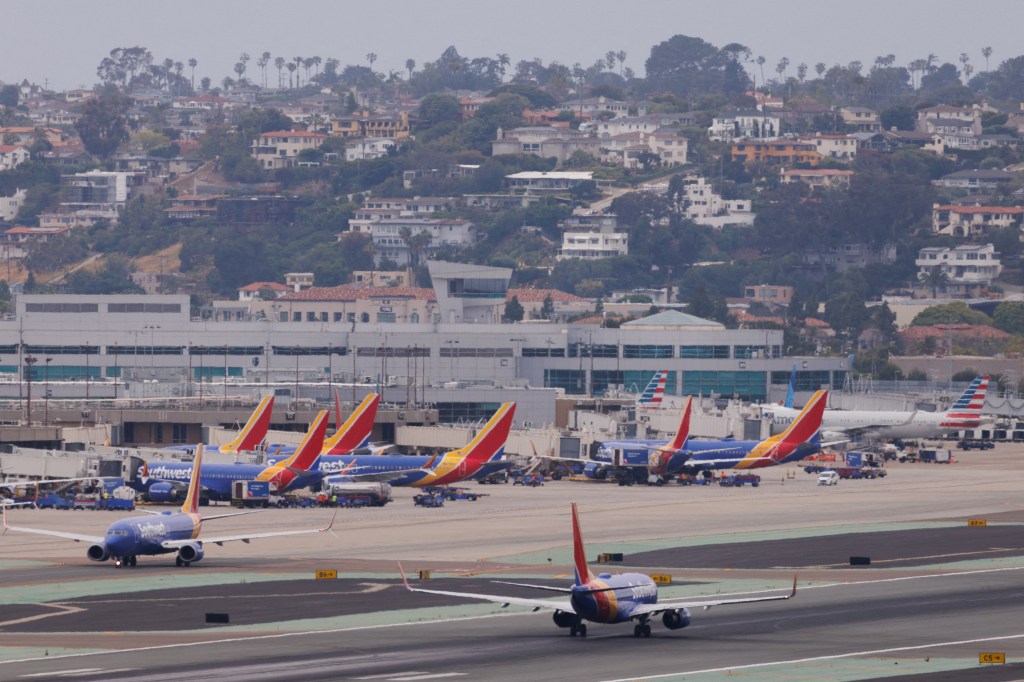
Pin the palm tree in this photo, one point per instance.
(240, 70)
(986, 52)
(801, 71)
(410, 65)
(178, 68)
(192, 64)
(929, 61)
(781, 67)
(621, 56)
(965, 59)
(820, 68)
(371, 57)
(262, 63)
(243, 59)
(503, 61)
(298, 64)
(760, 62)
(316, 63)
(934, 278)
(279, 62)
(291, 70)
(307, 64)
(610, 59)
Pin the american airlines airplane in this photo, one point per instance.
(966, 413)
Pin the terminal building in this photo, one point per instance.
(462, 364)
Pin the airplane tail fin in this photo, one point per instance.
(489, 443)
(579, 553)
(355, 432)
(191, 503)
(308, 453)
(807, 424)
(683, 432)
(254, 431)
(973, 399)
(655, 391)
(792, 388)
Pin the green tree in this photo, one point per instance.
(103, 124)
(438, 108)
(113, 278)
(706, 304)
(1009, 317)
(547, 309)
(514, 310)
(956, 312)
(934, 278)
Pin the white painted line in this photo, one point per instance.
(63, 610)
(795, 661)
(64, 672)
(388, 675)
(426, 677)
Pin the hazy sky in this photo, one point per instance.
(62, 41)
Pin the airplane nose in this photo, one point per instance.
(118, 545)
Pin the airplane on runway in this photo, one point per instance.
(127, 539)
(604, 598)
(484, 453)
(165, 481)
(249, 438)
(964, 414)
(351, 437)
(799, 440)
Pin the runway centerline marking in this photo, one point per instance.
(428, 676)
(390, 675)
(831, 657)
(914, 558)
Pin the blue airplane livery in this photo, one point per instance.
(605, 598)
(160, 533)
(629, 460)
(165, 481)
(483, 453)
(801, 439)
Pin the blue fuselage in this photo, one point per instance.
(617, 605)
(146, 534)
(334, 465)
(216, 479)
(730, 454)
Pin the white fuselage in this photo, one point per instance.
(881, 424)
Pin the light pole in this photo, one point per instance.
(451, 355)
(29, 360)
(46, 400)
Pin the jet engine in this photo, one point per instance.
(595, 470)
(190, 552)
(675, 620)
(162, 492)
(97, 553)
(564, 619)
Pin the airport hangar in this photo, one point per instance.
(150, 346)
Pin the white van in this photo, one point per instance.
(828, 478)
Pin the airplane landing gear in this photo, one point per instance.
(642, 630)
(579, 629)
(178, 562)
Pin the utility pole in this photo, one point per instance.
(29, 360)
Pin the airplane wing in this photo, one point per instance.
(246, 537)
(54, 533)
(536, 604)
(354, 475)
(672, 604)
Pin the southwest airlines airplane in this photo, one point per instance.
(964, 414)
(351, 436)
(623, 459)
(164, 481)
(483, 453)
(249, 438)
(127, 539)
(605, 598)
(799, 440)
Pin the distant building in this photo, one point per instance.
(543, 182)
(704, 207)
(262, 291)
(297, 281)
(544, 141)
(9, 206)
(281, 148)
(864, 120)
(973, 221)
(13, 155)
(975, 180)
(738, 125)
(818, 177)
(389, 243)
(592, 237)
(839, 147)
(788, 152)
(369, 148)
(968, 267)
(768, 294)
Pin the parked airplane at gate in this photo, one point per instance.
(605, 598)
(483, 453)
(250, 437)
(631, 459)
(164, 481)
(127, 539)
(966, 413)
(799, 440)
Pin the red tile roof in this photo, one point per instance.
(979, 209)
(538, 296)
(257, 286)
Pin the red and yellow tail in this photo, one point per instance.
(254, 431)
(355, 432)
(489, 443)
(808, 422)
(579, 554)
(191, 503)
(683, 432)
(308, 452)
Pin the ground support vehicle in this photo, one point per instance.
(428, 500)
(739, 480)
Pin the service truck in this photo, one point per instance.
(376, 493)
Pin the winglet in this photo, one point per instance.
(579, 553)
(405, 581)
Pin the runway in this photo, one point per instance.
(936, 595)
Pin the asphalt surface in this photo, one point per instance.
(893, 549)
(867, 629)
